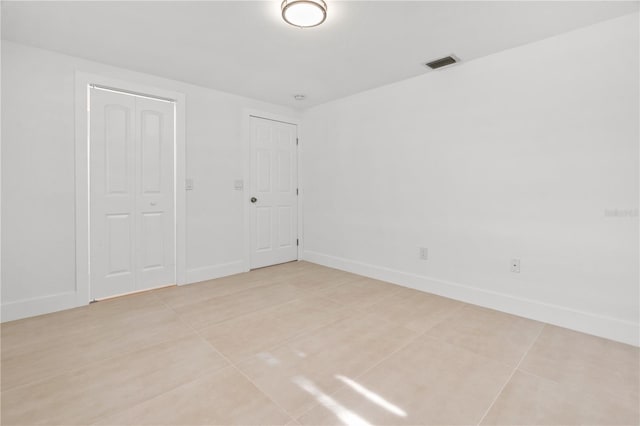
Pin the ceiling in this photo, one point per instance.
(244, 47)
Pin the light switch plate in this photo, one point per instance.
(424, 253)
(189, 184)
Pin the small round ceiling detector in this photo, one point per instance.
(304, 13)
(299, 97)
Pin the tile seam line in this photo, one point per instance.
(513, 372)
(303, 334)
(210, 282)
(260, 310)
(286, 342)
(72, 369)
(307, 293)
(418, 334)
(274, 346)
(245, 314)
(291, 339)
(235, 367)
(206, 283)
(112, 412)
(389, 355)
(615, 395)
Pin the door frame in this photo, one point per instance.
(246, 151)
(82, 209)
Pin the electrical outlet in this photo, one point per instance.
(424, 253)
(515, 265)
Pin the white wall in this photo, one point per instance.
(38, 204)
(515, 155)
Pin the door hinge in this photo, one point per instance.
(297, 241)
(297, 141)
(297, 191)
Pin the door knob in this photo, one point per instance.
(254, 199)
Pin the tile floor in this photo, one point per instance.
(303, 344)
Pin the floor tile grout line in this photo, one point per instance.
(117, 411)
(284, 342)
(588, 390)
(260, 282)
(307, 293)
(383, 359)
(537, 376)
(90, 328)
(419, 334)
(239, 316)
(246, 314)
(125, 353)
(288, 341)
(206, 283)
(237, 369)
(92, 363)
(306, 333)
(210, 299)
(513, 372)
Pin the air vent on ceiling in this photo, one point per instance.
(442, 62)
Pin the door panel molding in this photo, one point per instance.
(82, 82)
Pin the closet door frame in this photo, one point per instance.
(83, 81)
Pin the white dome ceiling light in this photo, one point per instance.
(304, 13)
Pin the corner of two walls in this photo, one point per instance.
(530, 153)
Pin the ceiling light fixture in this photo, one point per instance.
(304, 13)
(299, 97)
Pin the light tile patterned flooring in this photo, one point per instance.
(303, 344)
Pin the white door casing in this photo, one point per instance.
(274, 176)
(132, 226)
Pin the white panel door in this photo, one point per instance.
(131, 194)
(112, 165)
(155, 235)
(274, 204)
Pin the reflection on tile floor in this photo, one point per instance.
(301, 344)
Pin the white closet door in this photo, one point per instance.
(154, 193)
(132, 238)
(274, 208)
(112, 166)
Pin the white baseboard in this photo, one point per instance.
(215, 271)
(39, 306)
(44, 305)
(610, 328)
